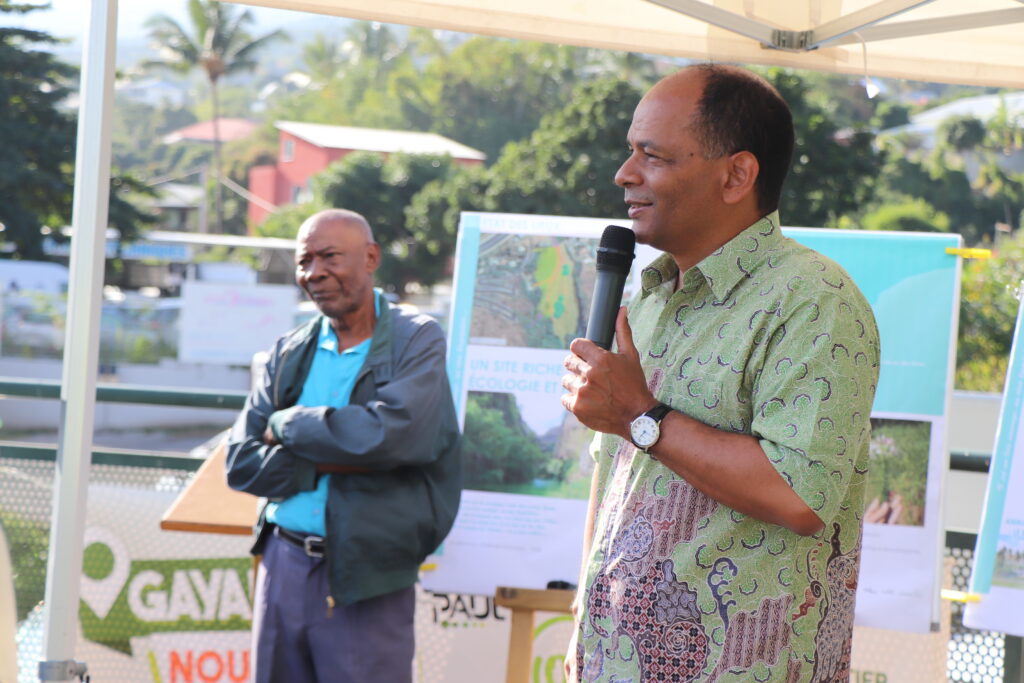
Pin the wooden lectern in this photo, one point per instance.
(524, 602)
(208, 505)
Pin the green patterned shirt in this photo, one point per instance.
(769, 338)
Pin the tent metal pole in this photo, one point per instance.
(859, 20)
(721, 18)
(81, 344)
(923, 27)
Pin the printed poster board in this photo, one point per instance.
(522, 292)
(998, 574)
(228, 323)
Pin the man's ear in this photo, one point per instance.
(372, 257)
(742, 171)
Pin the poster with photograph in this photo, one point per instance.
(913, 286)
(523, 289)
(998, 574)
(522, 294)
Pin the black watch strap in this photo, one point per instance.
(658, 412)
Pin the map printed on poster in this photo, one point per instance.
(522, 290)
(998, 574)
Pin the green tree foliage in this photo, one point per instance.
(323, 58)
(889, 114)
(907, 175)
(484, 93)
(380, 189)
(911, 215)
(1004, 190)
(136, 133)
(499, 449)
(488, 92)
(36, 167)
(285, 222)
(38, 137)
(566, 167)
(220, 45)
(962, 132)
(355, 79)
(832, 176)
(988, 310)
(941, 178)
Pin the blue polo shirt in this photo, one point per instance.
(329, 383)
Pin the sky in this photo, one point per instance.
(68, 18)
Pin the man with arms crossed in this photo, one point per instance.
(724, 532)
(352, 435)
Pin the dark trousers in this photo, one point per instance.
(295, 641)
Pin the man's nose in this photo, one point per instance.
(314, 270)
(626, 175)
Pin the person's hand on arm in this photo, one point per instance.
(607, 390)
(256, 463)
(395, 429)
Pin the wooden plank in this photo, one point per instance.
(208, 505)
(520, 646)
(524, 603)
(540, 600)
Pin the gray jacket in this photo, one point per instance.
(399, 429)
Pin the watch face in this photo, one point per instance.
(644, 430)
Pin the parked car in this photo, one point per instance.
(32, 328)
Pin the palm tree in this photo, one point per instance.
(220, 45)
(322, 58)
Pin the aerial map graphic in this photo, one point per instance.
(532, 291)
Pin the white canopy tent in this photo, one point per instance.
(955, 41)
(960, 41)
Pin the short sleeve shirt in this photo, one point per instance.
(768, 338)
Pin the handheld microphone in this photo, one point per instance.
(614, 257)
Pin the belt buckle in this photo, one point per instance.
(308, 544)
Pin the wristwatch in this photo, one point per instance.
(645, 430)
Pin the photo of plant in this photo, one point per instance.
(1009, 567)
(897, 471)
(509, 447)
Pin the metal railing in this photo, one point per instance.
(128, 393)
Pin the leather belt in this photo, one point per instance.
(313, 546)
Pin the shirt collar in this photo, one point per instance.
(723, 268)
(328, 339)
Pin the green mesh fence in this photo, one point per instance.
(156, 605)
(173, 607)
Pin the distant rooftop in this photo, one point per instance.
(377, 140)
(982, 107)
(202, 131)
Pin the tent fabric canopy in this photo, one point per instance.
(980, 42)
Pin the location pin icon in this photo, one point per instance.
(104, 569)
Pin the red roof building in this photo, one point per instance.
(202, 131)
(305, 149)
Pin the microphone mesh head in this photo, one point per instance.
(616, 249)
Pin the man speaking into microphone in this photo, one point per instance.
(724, 530)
